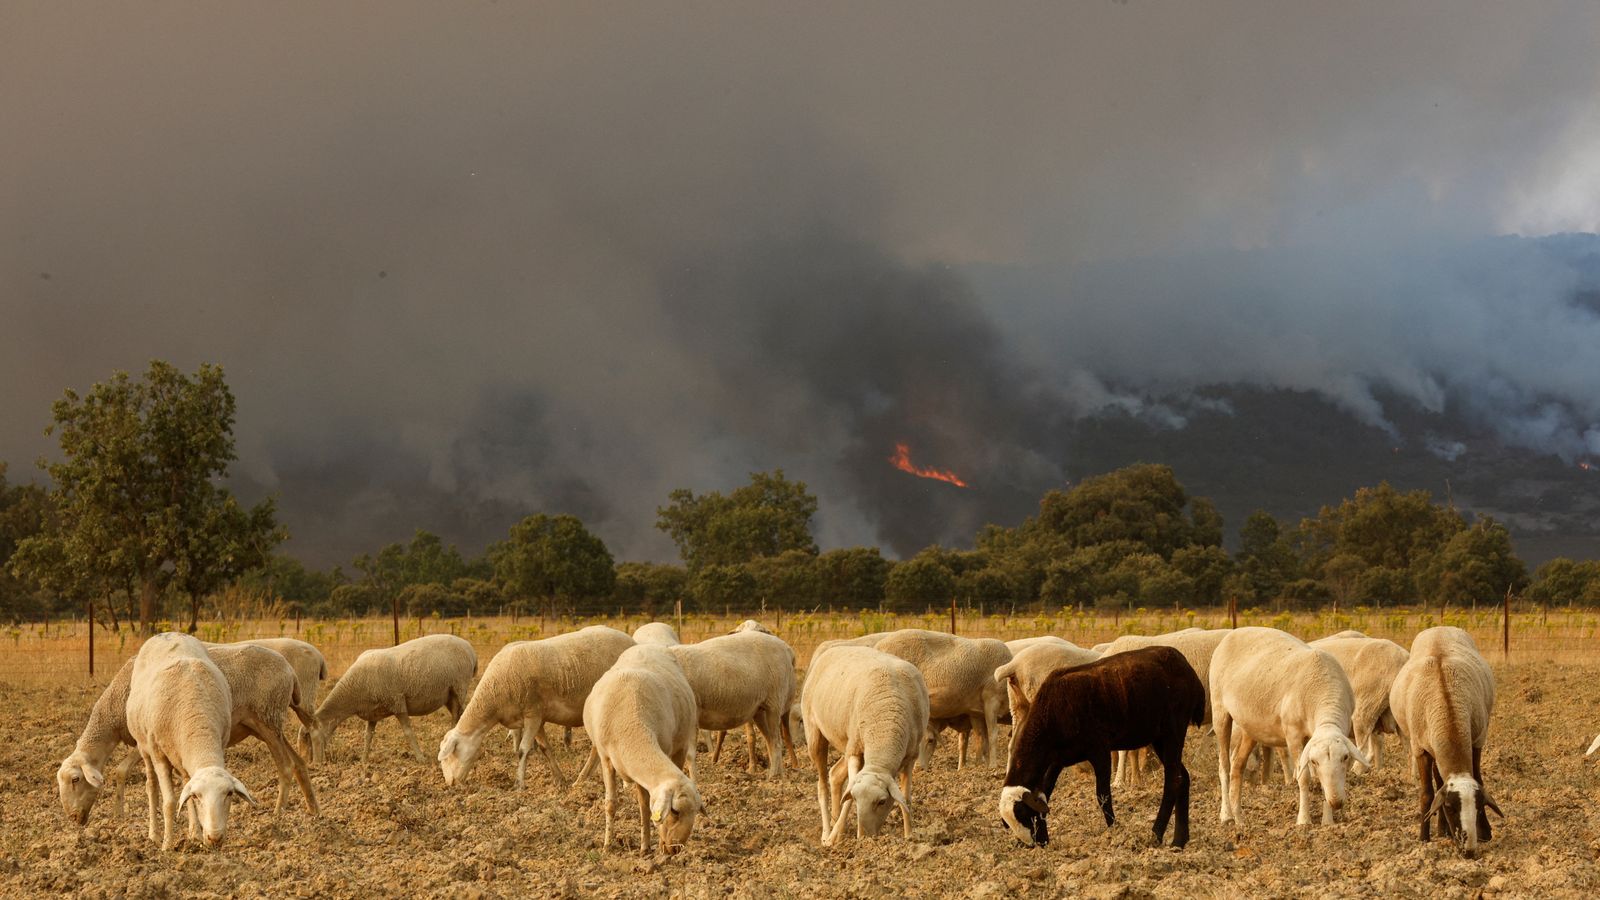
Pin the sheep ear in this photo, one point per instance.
(447, 746)
(243, 793)
(1438, 801)
(660, 805)
(1356, 753)
(1490, 804)
(97, 779)
(183, 795)
(895, 794)
(1303, 761)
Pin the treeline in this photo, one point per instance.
(135, 525)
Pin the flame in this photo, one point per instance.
(902, 460)
(1585, 465)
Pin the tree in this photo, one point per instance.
(135, 491)
(853, 576)
(648, 587)
(764, 518)
(555, 559)
(919, 581)
(1206, 567)
(1562, 580)
(23, 512)
(717, 586)
(1266, 558)
(230, 542)
(1342, 576)
(1477, 565)
(789, 580)
(1143, 503)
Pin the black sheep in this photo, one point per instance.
(1145, 697)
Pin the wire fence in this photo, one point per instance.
(57, 653)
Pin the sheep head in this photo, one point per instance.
(457, 754)
(673, 808)
(1024, 811)
(1327, 758)
(212, 789)
(1465, 805)
(79, 782)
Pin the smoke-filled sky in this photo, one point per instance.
(467, 261)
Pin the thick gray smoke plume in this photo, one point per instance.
(466, 262)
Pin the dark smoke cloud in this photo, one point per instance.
(468, 262)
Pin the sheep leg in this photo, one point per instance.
(290, 766)
(524, 746)
(1101, 761)
(788, 741)
(366, 751)
(991, 726)
(767, 720)
(716, 752)
(1483, 793)
(1222, 724)
(122, 771)
(169, 801)
(905, 811)
(1171, 767)
(411, 736)
(817, 748)
(644, 819)
(1236, 773)
(566, 738)
(549, 758)
(608, 777)
(1422, 767)
(930, 743)
(151, 792)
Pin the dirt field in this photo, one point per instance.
(392, 828)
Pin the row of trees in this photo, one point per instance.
(136, 522)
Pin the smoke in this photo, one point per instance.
(466, 263)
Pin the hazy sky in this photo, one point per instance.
(466, 261)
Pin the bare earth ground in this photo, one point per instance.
(392, 828)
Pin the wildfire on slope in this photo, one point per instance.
(902, 460)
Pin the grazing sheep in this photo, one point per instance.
(1443, 699)
(641, 718)
(752, 625)
(262, 688)
(658, 633)
(1371, 664)
(959, 674)
(866, 640)
(1283, 693)
(1028, 669)
(310, 668)
(413, 679)
(525, 685)
(179, 715)
(1134, 699)
(874, 708)
(741, 679)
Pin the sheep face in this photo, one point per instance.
(79, 785)
(212, 789)
(1465, 806)
(1023, 812)
(673, 807)
(321, 732)
(875, 796)
(1327, 758)
(457, 753)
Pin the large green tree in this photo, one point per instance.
(766, 517)
(853, 576)
(555, 560)
(23, 512)
(137, 494)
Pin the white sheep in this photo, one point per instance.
(1371, 664)
(179, 715)
(744, 678)
(1443, 699)
(1028, 669)
(659, 633)
(752, 625)
(525, 685)
(262, 689)
(874, 708)
(959, 675)
(1282, 693)
(641, 719)
(310, 668)
(1021, 644)
(413, 679)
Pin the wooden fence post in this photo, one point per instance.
(90, 606)
(1505, 626)
(952, 614)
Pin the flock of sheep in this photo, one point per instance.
(880, 701)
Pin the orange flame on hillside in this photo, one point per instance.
(902, 460)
